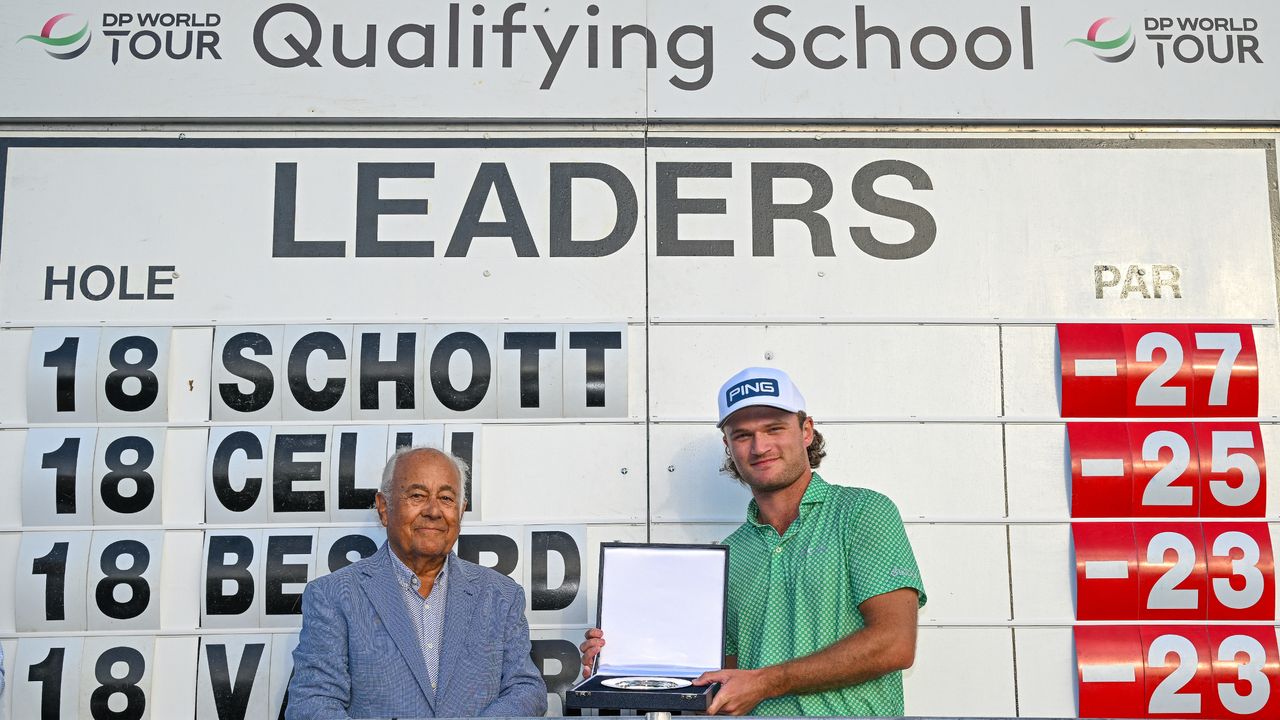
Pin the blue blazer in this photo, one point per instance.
(358, 655)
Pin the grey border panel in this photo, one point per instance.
(4, 181)
(719, 140)
(1273, 191)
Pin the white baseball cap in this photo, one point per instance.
(758, 386)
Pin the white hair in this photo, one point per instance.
(389, 470)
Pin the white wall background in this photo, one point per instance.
(952, 413)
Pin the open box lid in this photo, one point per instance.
(662, 608)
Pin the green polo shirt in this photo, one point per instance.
(793, 595)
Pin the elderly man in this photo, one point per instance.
(823, 586)
(412, 631)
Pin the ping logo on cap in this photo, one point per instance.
(754, 387)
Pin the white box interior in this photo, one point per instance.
(662, 610)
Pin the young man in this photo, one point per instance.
(823, 586)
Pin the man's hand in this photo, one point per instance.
(590, 647)
(740, 690)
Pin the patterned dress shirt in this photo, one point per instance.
(427, 614)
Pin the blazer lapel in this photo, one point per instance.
(385, 594)
(457, 617)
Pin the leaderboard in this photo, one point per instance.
(300, 421)
(1175, 572)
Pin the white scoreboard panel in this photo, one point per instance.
(210, 345)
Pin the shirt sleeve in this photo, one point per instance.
(880, 556)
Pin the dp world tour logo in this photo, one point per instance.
(1114, 50)
(63, 47)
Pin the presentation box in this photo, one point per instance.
(648, 641)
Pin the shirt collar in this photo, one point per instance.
(408, 578)
(814, 494)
